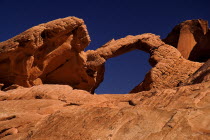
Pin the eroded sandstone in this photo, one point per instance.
(56, 112)
(171, 103)
(47, 53)
(200, 76)
(191, 38)
(54, 53)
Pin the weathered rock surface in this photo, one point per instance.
(173, 101)
(191, 38)
(200, 76)
(168, 64)
(59, 112)
(171, 70)
(47, 53)
(53, 53)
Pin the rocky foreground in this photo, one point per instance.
(48, 82)
(58, 112)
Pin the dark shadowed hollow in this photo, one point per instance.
(124, 72)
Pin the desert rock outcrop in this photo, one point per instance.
(47, 53)
(191, 38)
(53, 53)
(59, 112)
(169, 67)
(200, 76)
(46, 80)
(201, 51)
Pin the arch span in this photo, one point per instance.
(169, 67)
(53, 53)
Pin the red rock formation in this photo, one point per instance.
(188, 38)
(59, 112)
(201, 51)
(47, 53)
(200, 76)
(53, 53)
(169, 67)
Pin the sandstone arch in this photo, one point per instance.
(53, 53)
(169, 67)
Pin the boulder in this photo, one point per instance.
(47, 53)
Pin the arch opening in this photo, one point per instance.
(124, 72)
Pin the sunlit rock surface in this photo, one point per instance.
(47, 83)
(53, 53)
(59, 112)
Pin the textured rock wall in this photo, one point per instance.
(170, 71)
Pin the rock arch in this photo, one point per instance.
(54, 53)
(169, 67)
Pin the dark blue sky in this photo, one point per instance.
(107, 19)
